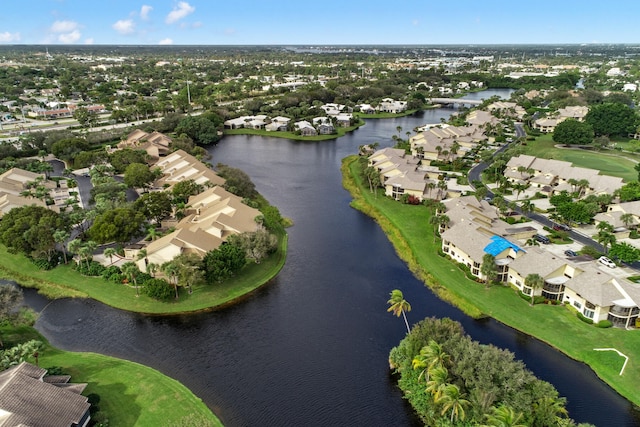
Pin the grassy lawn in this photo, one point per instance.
(409, 230)
(63, 281)
(130, 394)
(609, 162)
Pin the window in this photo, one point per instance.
(577, 305)
(588, 313)
(526, 291)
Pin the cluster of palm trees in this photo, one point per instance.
(433, 363)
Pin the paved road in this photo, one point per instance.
(475, 173)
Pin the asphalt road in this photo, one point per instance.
(476, 172)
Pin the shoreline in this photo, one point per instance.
(598, 365)
(67, 283)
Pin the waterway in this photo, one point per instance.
(311, 347)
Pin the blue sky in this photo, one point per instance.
(324, 22)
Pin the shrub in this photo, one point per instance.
(591, 251)
(94, 269)
(112, 274)
(538, 299)
(158, 289)
(604, 324)
(584, 319)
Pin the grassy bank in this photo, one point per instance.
(340, 131)
(411, 234)
(63, 281)
(130, 394)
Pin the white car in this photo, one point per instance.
(606, 261)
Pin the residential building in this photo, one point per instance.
(553, 176)
(389, 105)
(155, 144)
(30, 398)
(181, 166)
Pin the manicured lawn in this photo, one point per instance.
(609, 162)
(409, 230)
(63, 281)
(130, 394)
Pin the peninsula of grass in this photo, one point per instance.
(383, 115)
(413, 237)
(63, 281)
(340, 131)
(608, 162)
(130, 394)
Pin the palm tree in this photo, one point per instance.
(452, 400)
(605, 236)
(398, 306)
(152, 233)
(435, 355)
(142, 254)
(170, 269)
(504, 416)
(627, 219)
(152, 269)
(533, 281)
(109, 253)
(131, 270)
(61, 236)
(527, 207)
(488, 269)
(532, 242)
(438, 377)
(74, 246)
(549, 410)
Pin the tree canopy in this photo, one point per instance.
(237, 181)
(138, 175)
(116, 225)
(30, 230)
(572, 131)
(201, 129)
(612, 119)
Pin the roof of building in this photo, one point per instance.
(500, 244)
(27, 400)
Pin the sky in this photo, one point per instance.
(324, 22)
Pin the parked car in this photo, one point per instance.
(542, 239)
(570, 253)
(606, 261)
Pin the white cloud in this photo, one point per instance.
(8, 37)
(144, 11)
(124, 26)
(89, 40)
(196, 24)
(71, 37)
(182, 10)
(65, 31)
(165, 41)
(64, 26)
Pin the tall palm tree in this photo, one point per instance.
(152, 269)
(60, 237)
(527, 207)
(452, 399)
(109, 253)
(504, 416)
(398, 306)
(131, 270)
(488, 268)
(170, 269)
(549, 410)
(533, 281)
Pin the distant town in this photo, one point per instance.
(106, 174)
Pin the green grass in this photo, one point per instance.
(411, 234)
(388, 115)
(130, 394)
(63, 281)
(608, 162)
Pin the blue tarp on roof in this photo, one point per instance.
(499, 244)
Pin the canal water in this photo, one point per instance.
(311, 348)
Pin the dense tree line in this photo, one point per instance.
(451, 380)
